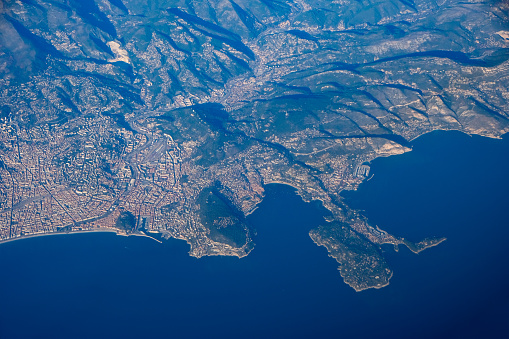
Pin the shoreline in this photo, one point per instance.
(404, 242)
(499, 137)
(105, 230)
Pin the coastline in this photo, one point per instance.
(29, 236)
(470, 134)
(412, 247)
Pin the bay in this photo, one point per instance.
(453, 185)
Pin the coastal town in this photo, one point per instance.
(81, 176)
(170, 122)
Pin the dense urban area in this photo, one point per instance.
(167, 119)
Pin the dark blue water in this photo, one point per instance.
(105, 286)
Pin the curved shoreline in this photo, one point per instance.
(30, 236)
(496, 137)
(282, 182)
(4, 241)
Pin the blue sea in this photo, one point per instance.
(106, 286)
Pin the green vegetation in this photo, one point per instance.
(167, 208)
(361, 264)
(126, 221)
(225, 223)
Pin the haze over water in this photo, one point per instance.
(452, 185)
